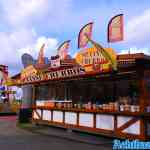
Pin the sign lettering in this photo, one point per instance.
(55, 75)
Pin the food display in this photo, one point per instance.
(54, 103)
(119, 106)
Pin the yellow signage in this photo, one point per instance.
(28, 71)
(12, 82)
(93, 60)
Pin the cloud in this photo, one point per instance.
(33, 49)
(11, 41)
(17, 12)
(137, 31)
(29, 13)
(24, 21)
(14, 44)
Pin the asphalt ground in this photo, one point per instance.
(46, 138)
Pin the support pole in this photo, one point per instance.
(33, 95)
(143, 98)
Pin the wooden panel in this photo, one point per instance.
(37, 114)
(122, 120)
(133, 129)
(71, 118)
(148, 127)
(86, 119)
(58, 116)
(143, 129)
(109, 124)
(129, 125)
(46, 115)
(105, 122)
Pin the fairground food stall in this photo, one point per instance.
(84, 93)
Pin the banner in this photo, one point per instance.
(41, 55)
(115, 29)
(84, 32)
(63, 49)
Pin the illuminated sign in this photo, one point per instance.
(93, 60)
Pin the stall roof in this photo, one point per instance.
(133, 56)
(16, 76)
(129, 59)
(64, 64)
(41, 67)
(67, 63)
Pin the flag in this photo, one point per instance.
(115, 29)
(41, 59)
(63, 49)
(85, 32)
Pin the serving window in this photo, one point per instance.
(121, 92)
(105, 91)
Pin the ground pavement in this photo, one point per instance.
(13, 137)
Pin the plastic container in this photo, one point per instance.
(94, 106)
(121, 107)
(127, 108)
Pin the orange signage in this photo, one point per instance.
(93, 60)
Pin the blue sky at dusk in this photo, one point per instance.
(26, 24)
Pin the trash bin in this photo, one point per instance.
(25, 115)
